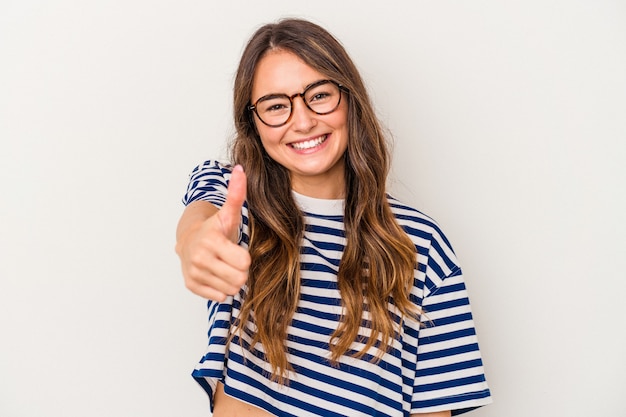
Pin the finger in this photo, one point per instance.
(235, 256)
(220, 263)
(221, 278)
(205, 291)
(230, 213)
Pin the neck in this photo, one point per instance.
(329, 190)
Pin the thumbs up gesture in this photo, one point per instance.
(213, 264)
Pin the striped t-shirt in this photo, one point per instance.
(432, 366)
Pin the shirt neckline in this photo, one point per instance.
(323, 206)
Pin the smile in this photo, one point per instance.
(308, 144)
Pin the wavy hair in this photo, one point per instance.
(377, 266)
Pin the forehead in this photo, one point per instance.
(282, 72)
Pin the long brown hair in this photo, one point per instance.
(377, 266)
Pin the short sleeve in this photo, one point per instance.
(208, 182)
(449, 374)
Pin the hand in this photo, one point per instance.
(213, 264)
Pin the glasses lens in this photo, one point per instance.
(274, 110)
(322, 98)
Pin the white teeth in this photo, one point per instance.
(308, 144)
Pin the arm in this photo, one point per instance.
(437, 414)
(213, 264)
(192, 218)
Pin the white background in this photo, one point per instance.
(509, 122)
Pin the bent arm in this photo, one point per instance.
(192, 218)
(213, 264)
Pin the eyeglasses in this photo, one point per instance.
(275, 110)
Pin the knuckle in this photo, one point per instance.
(191, 285)
(240, 280)
(197, 259)
(193, 273)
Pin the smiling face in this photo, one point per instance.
(310, 146)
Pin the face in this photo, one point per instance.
(310, 146)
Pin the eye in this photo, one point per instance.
(276, 107)
(320, 96)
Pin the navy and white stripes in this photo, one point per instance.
(432, 366)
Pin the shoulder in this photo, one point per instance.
(208, 181)
(212, 167)
(414, 221)
(433, 247)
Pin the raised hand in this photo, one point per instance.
(213, 264)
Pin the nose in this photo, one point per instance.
(302, 118)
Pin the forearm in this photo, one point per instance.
(437, 414)
(192, 218)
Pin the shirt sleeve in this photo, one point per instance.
(208, 182)
(449, 374)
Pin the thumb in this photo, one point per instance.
(230, 213)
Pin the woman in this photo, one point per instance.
(327, 296)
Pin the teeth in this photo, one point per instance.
(308, 144)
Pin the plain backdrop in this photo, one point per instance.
(508, 120)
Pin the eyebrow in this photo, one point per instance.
(274, 95)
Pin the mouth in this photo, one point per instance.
(308, 144)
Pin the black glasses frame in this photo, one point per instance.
(253, 107)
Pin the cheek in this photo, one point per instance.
(269, 136)
(341, 116)
(341, 124)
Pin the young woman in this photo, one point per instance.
(328, 297)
